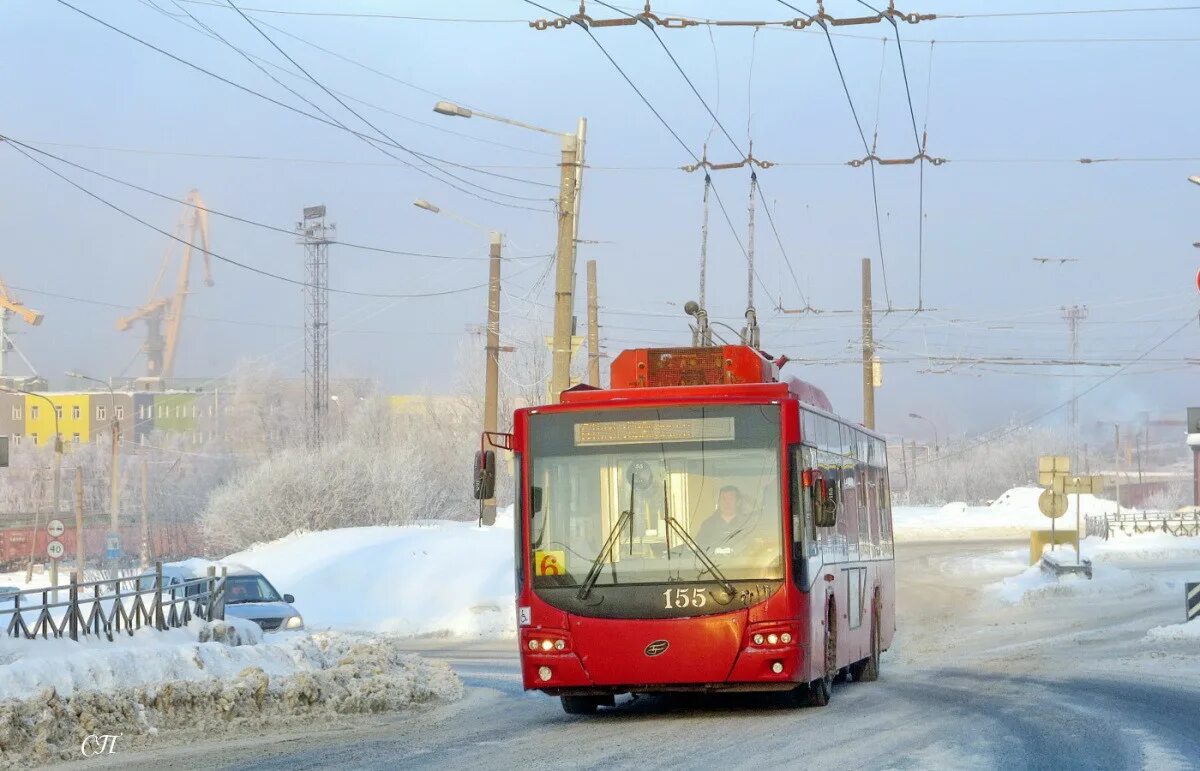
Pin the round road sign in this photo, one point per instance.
(55, 550)
(55, 528)
(1052, 504)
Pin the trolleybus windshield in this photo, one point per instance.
(655, 496)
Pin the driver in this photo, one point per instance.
(726, 522)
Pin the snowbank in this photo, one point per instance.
(1144, 547)
(1034, 584)
(1187, 631)
(436, 578)
(1013, 514)
(167, 680)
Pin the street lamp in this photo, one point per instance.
(115, 430)
(491, 349)
(569, 194)
(936, 443)
(1195, 180)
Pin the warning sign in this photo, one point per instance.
(549, 563)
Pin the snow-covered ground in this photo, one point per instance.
(1013, 514)
(53, 692)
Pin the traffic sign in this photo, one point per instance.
(1052, 504)
(55, 528)
(112, 546)
(55, 550)
(1078, 485)
(1050, 466)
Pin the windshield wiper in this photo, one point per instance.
(709, 565)
(593, 574)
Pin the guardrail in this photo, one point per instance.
(112, 605)
(1171, 522)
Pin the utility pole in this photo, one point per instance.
(316, 236)
(904, 465)
(492, 370)
(1074, 316)
(868, 349)
(1117, 458)
(570, 188)
(80, 548)
(145, 550)
(593, 314)
(40, 481)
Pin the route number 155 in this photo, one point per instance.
(684, 598)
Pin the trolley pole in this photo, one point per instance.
(492, 369)
(564, 271)
(593, 313)
(868, 345)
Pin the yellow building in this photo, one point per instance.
(73, 419)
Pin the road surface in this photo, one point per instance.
(968, 684)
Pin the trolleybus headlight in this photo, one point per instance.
(560, 645)
(758, 639)
(777, 667)
(544, 673)
(772, 638)
(547, 645)
(533, 645)
(785, 638)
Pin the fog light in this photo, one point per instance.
(560, 645)
(533, 645)
(547, 645)
(544, 673)
(758, 639)
(772, 638)
(785, 638)
(777, 667)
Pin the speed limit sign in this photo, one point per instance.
(55, 550)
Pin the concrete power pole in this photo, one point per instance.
(145, 551)
(80, 548)
(868, 345)
(492, 369)
(1073, 316)
(593, 313)
(570, 188)
(316, 236)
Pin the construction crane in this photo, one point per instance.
(11, 305)
(168, 311)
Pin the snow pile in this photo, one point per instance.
(157, 682)
(1189, 631)
(435, 578)
(1034, 584)
(1013, 514)
(1143, 547)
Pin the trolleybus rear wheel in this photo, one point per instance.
(579, 705)
(867, 670)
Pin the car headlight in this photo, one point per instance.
(295, 622)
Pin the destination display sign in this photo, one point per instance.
(654, 431)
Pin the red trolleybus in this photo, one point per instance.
(699, 526)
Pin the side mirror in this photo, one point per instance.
(485, 475)
(535, 500)
(289, 598)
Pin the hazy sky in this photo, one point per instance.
(1007, 115)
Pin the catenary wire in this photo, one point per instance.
(373, 140)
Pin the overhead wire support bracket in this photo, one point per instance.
(749, 160)
(649, 18)
(873, 158)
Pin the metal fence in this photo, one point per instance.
(111, 606)
(1170, 522)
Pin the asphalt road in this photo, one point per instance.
(966, 686)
